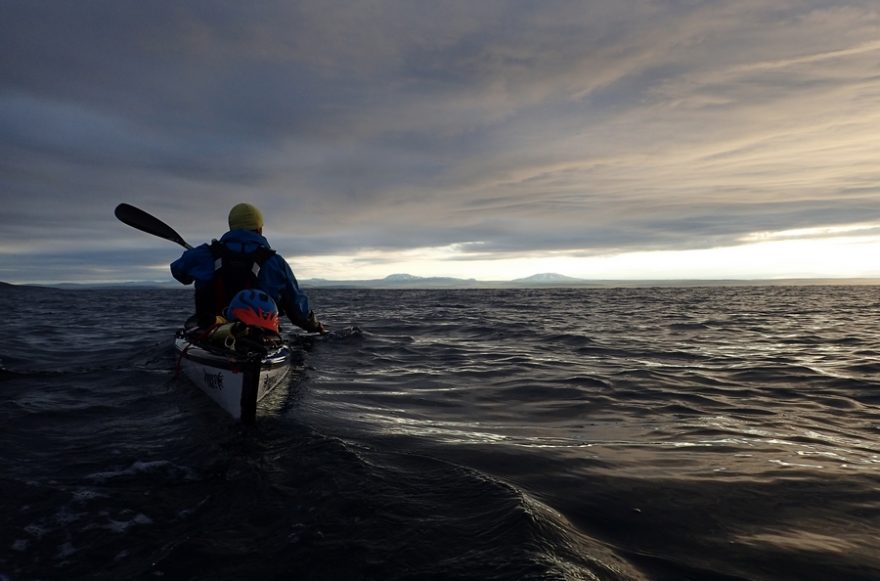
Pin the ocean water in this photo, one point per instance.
(655, 433)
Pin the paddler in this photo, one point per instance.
(242, 259)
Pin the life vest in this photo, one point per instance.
(233, 271)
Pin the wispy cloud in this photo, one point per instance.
(497, 128)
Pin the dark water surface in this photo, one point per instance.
(700, 433)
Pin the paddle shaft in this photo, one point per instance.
(137, 218)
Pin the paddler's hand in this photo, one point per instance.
(315, 326)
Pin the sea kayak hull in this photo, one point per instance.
(235, 382)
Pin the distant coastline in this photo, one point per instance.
(538, 281)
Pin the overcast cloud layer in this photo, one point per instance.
(505, 128)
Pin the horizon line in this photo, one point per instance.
(397, 281)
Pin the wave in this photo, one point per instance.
(562, 434)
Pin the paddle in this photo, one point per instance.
(137, 218)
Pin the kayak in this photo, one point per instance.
(235, 380)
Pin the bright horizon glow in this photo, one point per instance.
(781, 256)
(838, 252)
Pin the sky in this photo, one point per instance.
(613, 139)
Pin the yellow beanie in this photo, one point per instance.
(245, 217)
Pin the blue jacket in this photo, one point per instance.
(275, 278)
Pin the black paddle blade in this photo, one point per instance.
(137, 218)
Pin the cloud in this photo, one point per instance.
(495, 128)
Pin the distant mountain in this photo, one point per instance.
(549, 278)
(401, 278)
(15, 287)
(146, 284)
